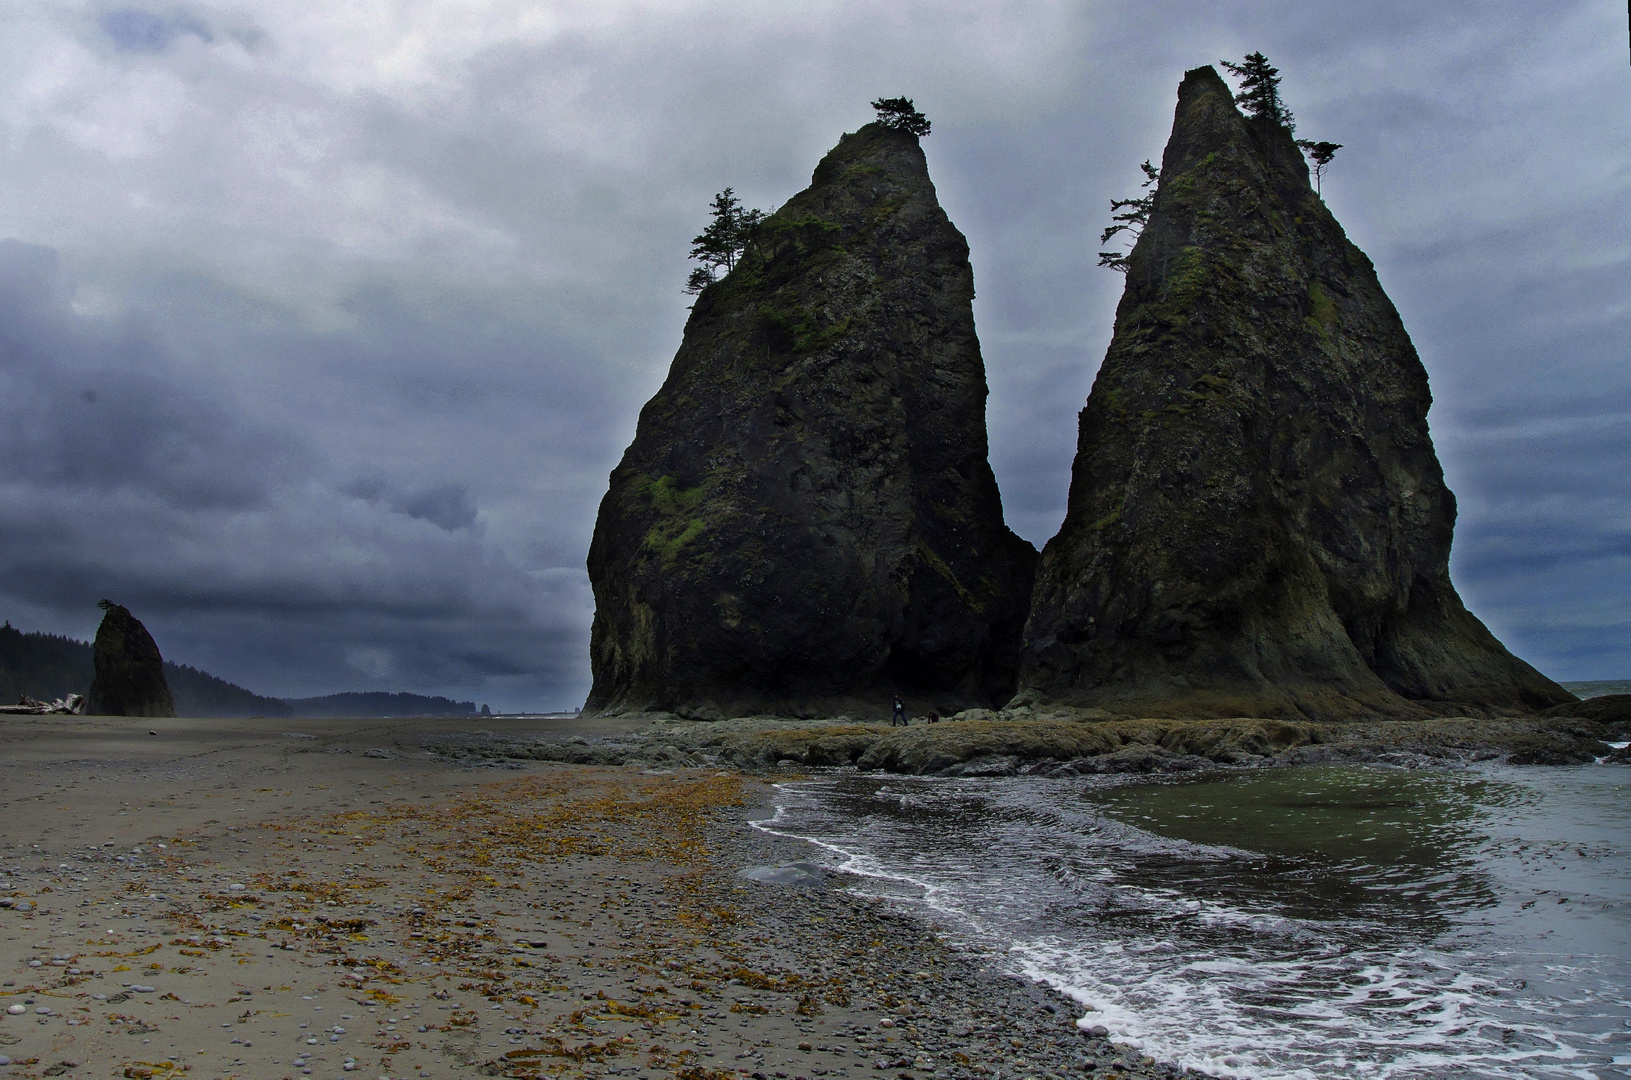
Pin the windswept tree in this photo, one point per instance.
(1320, 153)
(1259, 92)
(1129, 216)
(721, 244)
(900, 114)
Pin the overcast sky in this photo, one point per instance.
(322, 325)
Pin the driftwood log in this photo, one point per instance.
(72, 705)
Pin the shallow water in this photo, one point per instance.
(1311, 922)
(1598, 687)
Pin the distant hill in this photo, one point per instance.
(198, 693)
(379, 704)
(48, 666)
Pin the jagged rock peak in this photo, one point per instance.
(129, 678)
(1258, 524)
(806, 521)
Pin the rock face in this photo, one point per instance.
(1257, 523)
(806, 522)
(129, 670)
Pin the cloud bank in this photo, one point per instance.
(321, 327)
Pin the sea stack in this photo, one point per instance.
(1258, 524)
(806, 522)
(129, 670)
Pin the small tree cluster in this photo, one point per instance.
(899, 114)
(1260, 96)
(721, 244)
(1259, 92)
(1133, 215)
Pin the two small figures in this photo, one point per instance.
(898, 717)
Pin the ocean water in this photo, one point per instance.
(1598, 687)
(1308, 923)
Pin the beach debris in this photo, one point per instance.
(72, 705)
(800, 874)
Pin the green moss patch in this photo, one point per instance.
(1322, 312)
(679, 523)
(794, 328)
(940, 566)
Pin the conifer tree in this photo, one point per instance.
(899, 113)
(1259, 92)
(721, 244)
(1320, 153)
(1133, 220)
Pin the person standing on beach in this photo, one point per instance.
(898, 718)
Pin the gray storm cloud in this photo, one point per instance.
(323, 325)
(125, 477)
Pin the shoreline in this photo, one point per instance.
(300, 898)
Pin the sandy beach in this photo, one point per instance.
(323, 898)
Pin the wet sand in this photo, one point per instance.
(326, 898)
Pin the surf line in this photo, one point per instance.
(867, 866)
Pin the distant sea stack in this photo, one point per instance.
(1258, 524)
(129, 678)
(806, 522)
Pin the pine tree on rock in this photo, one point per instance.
(1129, 216)
(1259, 91)
(899, 114)
(1320, 153)
(722, 243)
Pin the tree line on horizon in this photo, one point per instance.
(46, 666)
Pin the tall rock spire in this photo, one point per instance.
(129, 679)
(1257, 524)
(806, 521)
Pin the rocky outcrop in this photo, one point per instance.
(806, 521)
(1039, 743)
(129, 670)
(1258, 524)
(1607, 709)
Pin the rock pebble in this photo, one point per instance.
(800, 875)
